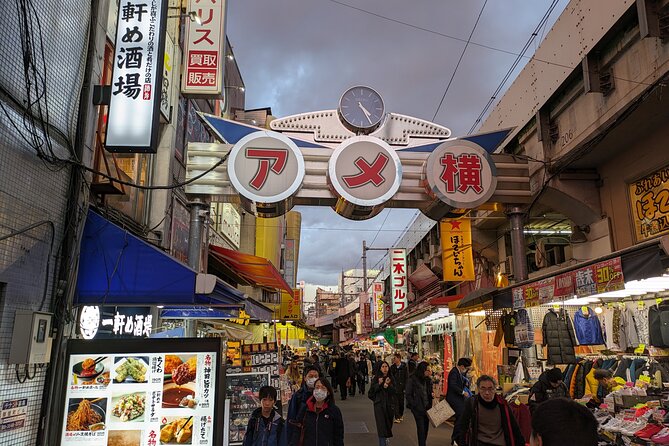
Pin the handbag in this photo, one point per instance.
(440, 412)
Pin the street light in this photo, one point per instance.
(192, 15)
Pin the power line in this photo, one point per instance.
(462, 55)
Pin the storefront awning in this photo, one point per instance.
(118, 268)
(197, 313)
(249, 269)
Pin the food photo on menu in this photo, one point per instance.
(86, 414)
(128, 407)
(90, 371)
(124, 438)
(130, 369)
(176, 430)
(179, 382)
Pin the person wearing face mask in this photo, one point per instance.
(458, 387)
(382, 392)
(487, 419)
(299, 399)
(320, 421)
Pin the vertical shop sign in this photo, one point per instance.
(134, 108)
(358, 323)
(166, 90)
(448, 359)
(649, 200)
(204, 49)
(456, 244)
(398, 279)
(378, 305)
(291, 305)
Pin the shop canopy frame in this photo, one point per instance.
(642, 261)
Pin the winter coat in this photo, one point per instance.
(400, 375)
(543, 390)
(591, 384)
(658, 324)
(419, 394)
(587, 327)
(361, 368)
(324, 428)
(297, 402)
(384, 412)
(558, 335)
(466, 429)
(456, 385)
(577, 387)
(343, 370)
(261, 433)
(411, 366)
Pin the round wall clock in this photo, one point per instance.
(361, 109)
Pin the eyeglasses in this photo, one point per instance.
(486, 389)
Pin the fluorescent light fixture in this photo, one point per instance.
(548, 231)
(439, 314)
(478, 313)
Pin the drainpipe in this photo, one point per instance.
(198, 212)
(516, 218)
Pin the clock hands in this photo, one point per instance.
(364, 110)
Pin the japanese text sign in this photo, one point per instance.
(601, 277)
(134, 108)
(378, 305)
(461, 174)
(649, 198)
(398, 279)
(456, 250)
(291, 305)
(204, 49)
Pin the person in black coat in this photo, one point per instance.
(419, 399)
(320, 422)
(361, 373)
(549, 385)
(400, 375)
(344, 374)
(458, 387)
(382, 392)
(353, 367)
(413, 363)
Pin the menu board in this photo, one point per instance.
(257, 358)
(242, 389)
(142, 393)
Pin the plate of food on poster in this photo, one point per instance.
(86, 414)
(176, 430)
(128, 407)
(91, 371)
(179, 382)
(124, 438)
(130, 369)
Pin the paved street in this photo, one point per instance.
(361, 431)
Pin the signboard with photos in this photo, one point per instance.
(142, 393)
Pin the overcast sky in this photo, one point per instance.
(300, 55)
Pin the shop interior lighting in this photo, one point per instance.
(548, 231)
(440, 313)
(638, 288)
(477, 313)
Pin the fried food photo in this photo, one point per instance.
(177, 432)
(171, 363)
(87, 364)
(186, 372)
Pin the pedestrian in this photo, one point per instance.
(316, 363)
(413, 363)
(362, 373)
(353, 366)
(382, 392)
(343, 375)
(332, 370)
(299, 398)
(487, 419)
(400, 374)
(548, 386)
(419, 399)
(458, 387)
(320, 422)
(265, 426)
(294, 376)
(560, 421)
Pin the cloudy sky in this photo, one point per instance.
(300, 55)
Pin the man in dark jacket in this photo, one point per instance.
(548, 386)
(551, 418)
(361, 373)
(265, 426)
(458, 387)
(344, 374)
(400, 374)
(487, 419)
(413, 362)
(353, 367)
(419, 399)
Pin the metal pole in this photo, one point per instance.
(516, 218)
(343, 299)
(197, 210)
(364, 266)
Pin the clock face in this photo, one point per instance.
(361, 108)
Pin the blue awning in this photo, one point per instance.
(197, 313)
(118, 268)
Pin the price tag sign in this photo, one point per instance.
(640, 349)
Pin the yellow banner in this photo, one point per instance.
(291, 305)
(456, 250)
(649, 198)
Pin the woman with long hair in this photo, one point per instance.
(419, 399)
(294, 376)
(382, 392)
(320, 422)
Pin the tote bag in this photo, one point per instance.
(440, 412)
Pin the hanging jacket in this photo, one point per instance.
(559, 337)
(658, 324)
(588, 328)
(523, 331)
(261, 433)
(591, 384)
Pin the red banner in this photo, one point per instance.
(448, 360)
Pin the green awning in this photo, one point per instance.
(325, 341)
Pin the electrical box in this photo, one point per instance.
(31, 343)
